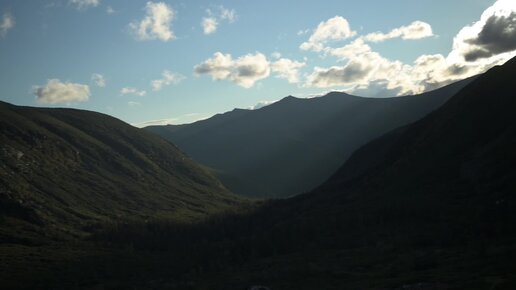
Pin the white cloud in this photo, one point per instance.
(357, 71)
(168, 78)
(303, 32)
(132, 91)
(134, 104)
(336, 28)
(156, 24)
(209, 25)
(244, 71)
(55, 92)
(476, 48)
(287, 69)
(6, 24)
(228, 14)
(85, 4)
(357, 47)
(99, 80)
(369, 68)
(415, 30)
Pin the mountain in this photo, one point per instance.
(430, 205)
(294, 145)
(64, 171)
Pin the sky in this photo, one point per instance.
(172, 62)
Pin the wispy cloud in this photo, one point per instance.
(211, 22)
(84, 4)
(132, 91)
(415, 30)
(168, 78)
(99, 80)
(228, 14)
(110, 10)
(156, 24)
(55, 92)
(182, 119)
(6, 24)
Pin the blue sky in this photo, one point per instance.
(178, 61)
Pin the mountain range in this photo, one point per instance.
(89, 202)
(293, 145)
(429, 205)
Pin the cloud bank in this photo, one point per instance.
(487, 42)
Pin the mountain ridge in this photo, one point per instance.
(293, 145)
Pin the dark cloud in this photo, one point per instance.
(457, 70)
(497, 36)
(353, 72)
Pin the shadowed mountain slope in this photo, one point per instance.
(430, 205)
(65, 170)
(294, 145)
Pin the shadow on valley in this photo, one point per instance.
(335, 246)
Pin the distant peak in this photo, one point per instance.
(239, 110)
(289, 98)
(336, 93)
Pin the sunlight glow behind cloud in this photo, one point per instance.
(488, 42)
